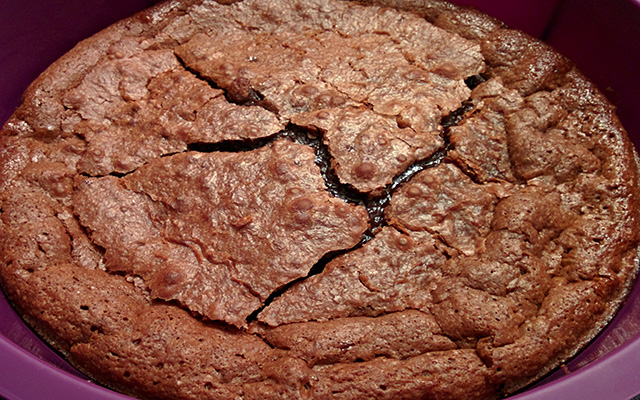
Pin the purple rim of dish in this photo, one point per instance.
(608, 368)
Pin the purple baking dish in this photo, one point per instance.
(601, 37)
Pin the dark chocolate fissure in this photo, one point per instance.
(233, 146)
(114, 174)
(315, 270)
(455, 117)
(473, 81)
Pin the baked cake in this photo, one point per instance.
(288, 199)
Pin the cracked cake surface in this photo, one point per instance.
(292, 199)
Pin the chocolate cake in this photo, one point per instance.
(288, 199)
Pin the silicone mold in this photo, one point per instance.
(601, 37)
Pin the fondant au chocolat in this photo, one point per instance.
(287, 199)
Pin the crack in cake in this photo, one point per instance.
(294, 199)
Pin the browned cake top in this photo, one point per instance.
(294, 199)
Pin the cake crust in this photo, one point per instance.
(165, 221)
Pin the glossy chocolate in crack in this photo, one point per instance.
(165, 224)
